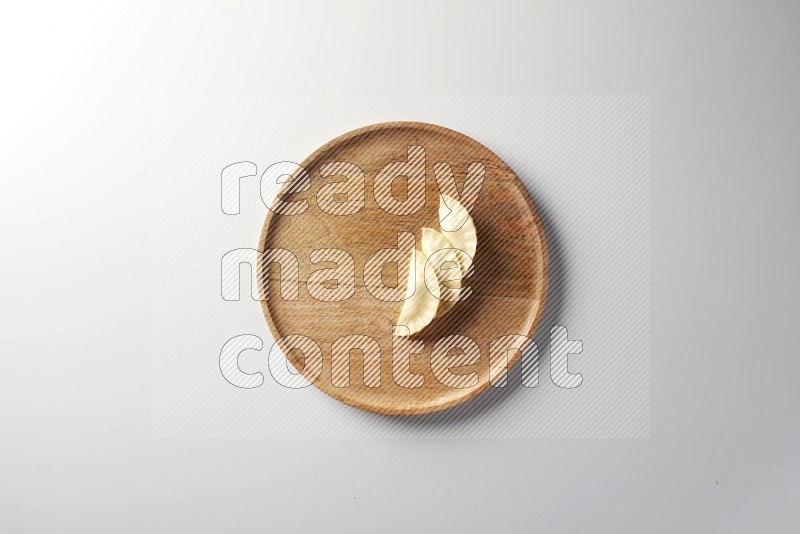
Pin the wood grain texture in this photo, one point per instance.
(509, 283)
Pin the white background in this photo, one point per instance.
(96, 100)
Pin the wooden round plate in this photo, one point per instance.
(509, 283)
